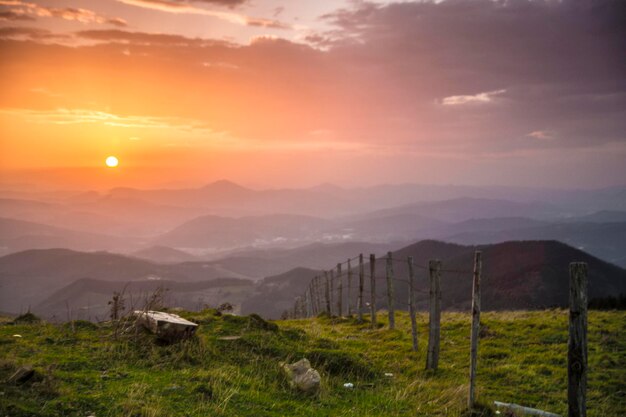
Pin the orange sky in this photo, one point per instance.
(293, 94)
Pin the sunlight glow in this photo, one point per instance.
(112, 162)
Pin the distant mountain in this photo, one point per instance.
(261, 263)
(216, 232)
(276, 294)
(604, 216)
(392, 227)
(465, 208)
(516, 275)
(18, 235)
(604, 240)
(88, 298)
(165, 255)
(26, 278)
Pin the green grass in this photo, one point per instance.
(82, 369)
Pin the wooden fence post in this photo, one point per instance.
(349, 288)
(412, 302)
(307, 304)
(315, 297)
(310, 302)
(577, 345)
(332, 291)
(327, 293)
(340, 292)
(390, 304)
(471, 398)
(373, 289)
(320, 297)
(361, 279)
(295, 307)
(434, 315)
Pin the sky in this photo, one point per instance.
(277, 93)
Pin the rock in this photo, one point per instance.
(301, 376)
(168, 327)
(21, 376)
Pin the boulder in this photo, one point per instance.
(301, 376)
(167, 326)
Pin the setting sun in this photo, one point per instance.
(112, 162)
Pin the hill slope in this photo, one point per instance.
(516, 275)
(522, 359)
(26, 278)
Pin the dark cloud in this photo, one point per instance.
(553, 59)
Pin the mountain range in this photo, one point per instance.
(516, 275)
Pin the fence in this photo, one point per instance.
(325, 294)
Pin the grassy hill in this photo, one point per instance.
(83, 370)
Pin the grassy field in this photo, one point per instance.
(83, 370)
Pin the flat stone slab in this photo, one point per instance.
(166, 326)
(229, 338)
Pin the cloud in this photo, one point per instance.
(31, 33)
(10, 15)
(474, 75)
(541, 135)
(74, 116)
(479, 98)
(143, 38)
(22, 10)
(183, 7)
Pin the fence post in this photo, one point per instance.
(349, 288)
(318, 289)
(390, 306)
(412, 302)
(327, 293)
(332, 290)
(577, 345)
(373, 289)
(340, 293)
(471, 398)
(434, 315)
(361, 278)
(314, 297)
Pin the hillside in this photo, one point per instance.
(275, 294)
(164, 254)
(28, 277)
(18, 235)
(83, 370)
(603, 240)
(88, 299)
(516, 275)
(216, 232)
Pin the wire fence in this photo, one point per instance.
(350, 287)
(345, 290)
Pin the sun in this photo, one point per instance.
(112, 162)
